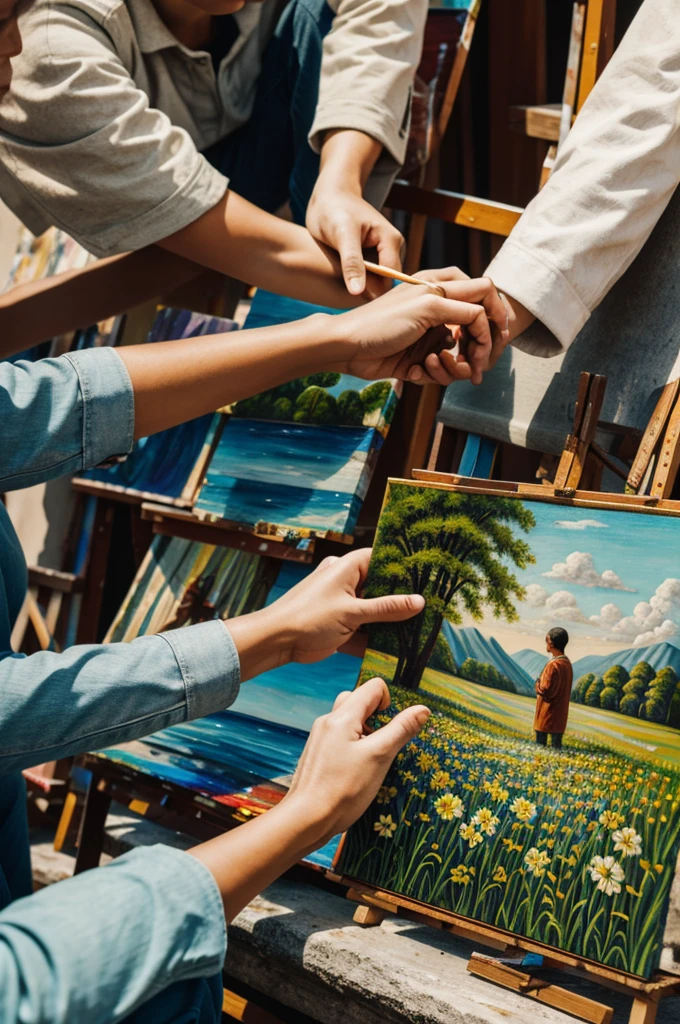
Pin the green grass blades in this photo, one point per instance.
(575, 849)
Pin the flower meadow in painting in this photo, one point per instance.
(576, 849)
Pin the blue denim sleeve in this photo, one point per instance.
(93, 696)
(63, 415)
(95, 947)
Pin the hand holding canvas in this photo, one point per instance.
(341, 769)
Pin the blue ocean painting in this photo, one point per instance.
(160, 466)
(293, 475)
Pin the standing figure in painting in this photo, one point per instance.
(553, 690)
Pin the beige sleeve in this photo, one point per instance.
(613, 179)
(81, 148)
(369, 61)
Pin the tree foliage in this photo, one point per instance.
(486, 675)
(653, 696)
(453, 549)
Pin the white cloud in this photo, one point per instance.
(650, 622)
(609, 615)
(563, 606)
(579, 568)
(536, 596)
(580, 524)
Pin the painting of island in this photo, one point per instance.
(168, 465)
(296, 461)
(575, 845)
(242, 757)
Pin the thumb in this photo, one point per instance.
(393, 608)
(352, 260)
(389, 739)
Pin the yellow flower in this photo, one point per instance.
(385, 826)
(645, 865)
(610, 820)
(424, 817)
(449, 807)
(500, 874)
(440, 780)
(425, 761)
(486, 821)
(435, 846)
(537, 861)
(386, 793)
(523, 809)
(470, 834)
(460, 875)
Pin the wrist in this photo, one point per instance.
(519, 317)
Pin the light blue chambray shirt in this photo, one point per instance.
(97, 946)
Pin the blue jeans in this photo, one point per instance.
(15, 861)
(269, 159)
(187, 1002)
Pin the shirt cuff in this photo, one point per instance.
(210, 667)
(202, 190)
(546, 292)
(377, 122)
(108, 404)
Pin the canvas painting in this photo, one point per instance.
(244, 756)
(296, 461)
(552, 815)
(167, 466)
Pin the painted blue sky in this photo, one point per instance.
(612, 578)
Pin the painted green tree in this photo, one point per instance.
(456, 550)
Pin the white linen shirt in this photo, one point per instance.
(613, 178)
(101, 131)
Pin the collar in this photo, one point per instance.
(153, 35)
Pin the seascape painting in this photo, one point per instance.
(565, 833)
(296, 461)
(166, 466)
(242, 757)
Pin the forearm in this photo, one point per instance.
(238, 239)
(347, 159)
(32, 312)
(177, 381)
(246, 860)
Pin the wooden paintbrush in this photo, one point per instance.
(396, 275)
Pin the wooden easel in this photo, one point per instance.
(656, 464)
(375, 905)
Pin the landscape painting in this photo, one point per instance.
(168, 466)
(242, 757)
(296, 461)
(569, 840)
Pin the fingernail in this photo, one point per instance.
(354, 286)
(422, 716)
(417, 601)
(415, 373)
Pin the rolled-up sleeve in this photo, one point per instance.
(367, 70)
(613, 178)
(63, 415)
(81, 147)
(97, 946)
(96, 695)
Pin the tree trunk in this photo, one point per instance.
(418, 657)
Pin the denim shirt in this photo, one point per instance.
(95, 947)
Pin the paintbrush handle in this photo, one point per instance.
(396, 275)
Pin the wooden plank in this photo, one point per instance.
(653, 434)
(181, 523)
(236, 1007)
(368, 916)
(669, 458)
(455, 208)
(539, 122)
(70, 802)
(643, 1011)
(598, 44)
(572, 75)
(550, 995)
(55, 579)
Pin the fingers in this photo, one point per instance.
(404, 727)
(392, 608)
(363, 702)
(327, 562)
(390, 245)
(351, 258)
(341, 698)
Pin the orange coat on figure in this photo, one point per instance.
(553, 691)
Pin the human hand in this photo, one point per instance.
(406, 333)
(344, 221)
(344, 761)
(323, 611)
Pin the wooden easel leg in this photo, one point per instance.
(92, 828)
(65, 820)
(369, 916)
(643, 1011)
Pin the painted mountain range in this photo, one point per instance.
(470, 643)
(532, 662)
(657, 655)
